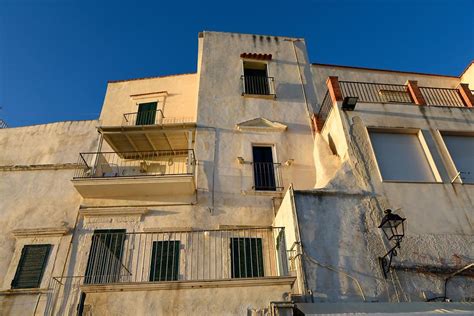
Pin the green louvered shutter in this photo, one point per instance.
(31, 266)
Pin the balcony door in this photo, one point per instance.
(105, 257)
(146, 113)
(256, 78)
(263, 168)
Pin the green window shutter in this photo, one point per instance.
(31, 266)
(146, 113)
(165, 261)
(246, 258)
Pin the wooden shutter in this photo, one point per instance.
(31, 266)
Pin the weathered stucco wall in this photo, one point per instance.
(339, 227)
(38, 194)
(205, 301)
(176, 96)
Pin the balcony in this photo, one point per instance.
(262, 86)
(153, 117)
(267, 176)
(367, 92)
(135, 173)
(149, 130)
(117, 261)
(392, 93)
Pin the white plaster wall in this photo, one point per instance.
(39, 198)
(180, 100)
(340, 231)
(206, 301)
(340, 228)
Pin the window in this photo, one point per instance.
(146, 113)
(246, 257)
(105, 257)
(32, 264)
(461, 150)
(263, 168)
(256, 79)
(401, 157)
(165, 261)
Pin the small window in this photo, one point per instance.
(165, 261)
(246, 257)
(461, 150)
(401, 157)
(31, 267)
(146, 113)
(256, 80)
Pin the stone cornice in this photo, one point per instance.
(58, 166)
(41, 232)
(175, 285)
(115, 211)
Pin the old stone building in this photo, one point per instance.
(254, 186)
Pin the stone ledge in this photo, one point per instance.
(178, 285)
(24, 291)
(58, 166)
(41, 232)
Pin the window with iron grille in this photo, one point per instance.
(165, 261)
(31, 267)
(246, 257)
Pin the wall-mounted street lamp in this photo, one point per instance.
(349, 103)
(393, 226)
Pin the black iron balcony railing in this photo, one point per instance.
(442, 97)
(152, 117)
(135, 163)
(185, 255)
(375, 92)
(324, 110)
(119, 257)
(258, 85)
(392, 93)
(266, 176)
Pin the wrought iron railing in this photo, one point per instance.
(152, 117)
(258, 85)
(175, 256)
(442, 97)
(375, 92)
(135, 163)
(266, 176)
(324, 110)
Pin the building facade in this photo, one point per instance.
(248, 187)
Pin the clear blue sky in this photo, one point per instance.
(57, 55)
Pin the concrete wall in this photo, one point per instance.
(36, 166)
